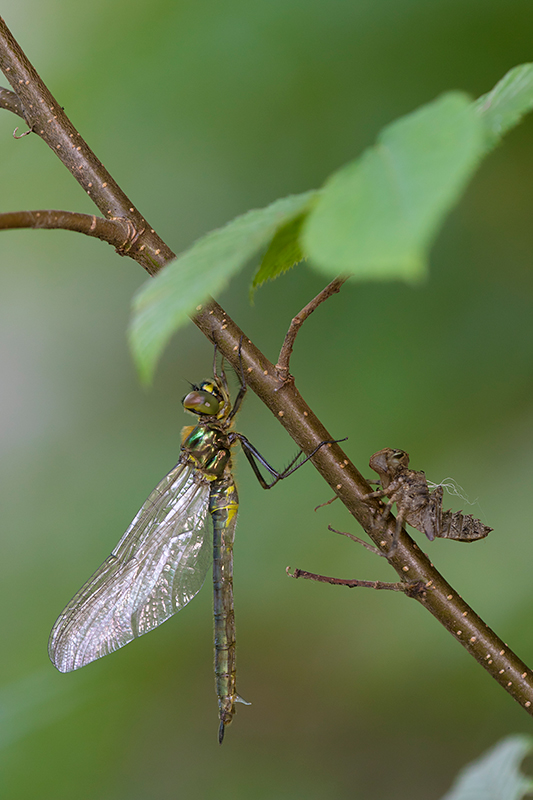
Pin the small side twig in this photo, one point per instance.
(10, 101)
(412, 588)
(118, 232)
(367, 546)
(282, 367)
(326, 502)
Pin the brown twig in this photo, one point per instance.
(356, 539)
(326, 502)
(10, 101)
(48, 120)
(411, 589)
(282, 367)
(118, 232)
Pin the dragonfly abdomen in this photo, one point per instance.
(223, 507)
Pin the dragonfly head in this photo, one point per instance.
(389, 463)
(209, 399)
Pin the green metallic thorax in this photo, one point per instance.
(208, 448)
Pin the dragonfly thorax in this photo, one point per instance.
(208, 448)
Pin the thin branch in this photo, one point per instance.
(282, 367)
(326, 502)
(10, 101)
(440, 599)
(48, 120)
(410, 589)
(117, 232)
(356, 539)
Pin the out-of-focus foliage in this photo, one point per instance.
(283, 252)
(203, 110)
(506, 104)
(163, 304)
(375, 218)
(496, 775)
(378, 214)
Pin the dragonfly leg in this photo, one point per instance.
(254, 456)
(215, 372)
(222, 375)
(381, 520)
(376, 494)
(242, 391)
(396, 536)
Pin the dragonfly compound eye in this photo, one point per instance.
(200, 402)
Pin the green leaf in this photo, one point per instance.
(378, 214)
(496, 775)
(164, 303)
(283, 252)
(504, 106)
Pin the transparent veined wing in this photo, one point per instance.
(158, 566)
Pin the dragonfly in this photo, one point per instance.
(161, 561)
(416, 504)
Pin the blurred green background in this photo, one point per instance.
(202, 110)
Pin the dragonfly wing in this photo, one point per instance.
(158, 566)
